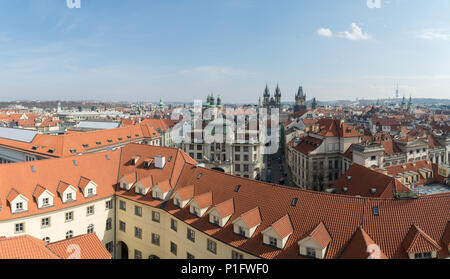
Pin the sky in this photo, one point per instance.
(181, 50)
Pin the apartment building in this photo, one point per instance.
(388, 152)
(167, 206)
(18, 145)
(57, 199)
(318, 159)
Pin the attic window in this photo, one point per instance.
(199, 175)
(373, 190)
(120, 138)
(170, 159)
(137, 135)
(129, 137)
(349, 178)
(375, 211)
(75, 163)
(294, 201)
(51, 150)
(98, 142)
(85, 145)
(34, 147)
(107, 157)
(109, 140)
(237, 188)
(73, 150)
(345, 189)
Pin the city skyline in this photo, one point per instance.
(145, 50)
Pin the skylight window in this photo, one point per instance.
(199, 175)
(51, 150)
(375, 211)
(107, 157)
(85, 145)
(34, 147)
(237, 188)
(294, 201)
(33, 169)
(109, 140)
(75, 163)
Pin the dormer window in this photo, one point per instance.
(45, 201)
(273, 241)
(278, 233)
(90, 192)
(69, 196)
(241, 231)
(19, 206)
(215, 220)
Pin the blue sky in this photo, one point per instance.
(141, 50)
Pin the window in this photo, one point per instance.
(310, 252)
(46, 239)
(216, 220)
(19, 206)
(211, 246)
(69, 196)
(45, 202)
(90, 210)
(173, 248)
(108, 224)
(123, 205)
(109, 247)
(426, 255)
(373, 158)
(90, 192)
(241, 231)
(109, 204)
(189, 256)
(237, 148)
(45, 222)
(138, 211)
(155, 239)
(90, 228)
(155, 216)
(173, 224)
(69, 234)
(20, 228)
(272, 241)
(237, 157)
(191, 235)
(236, 256)
(69, 216)
(122, 226)
(237, 167)
(138, 232)
(137, 254)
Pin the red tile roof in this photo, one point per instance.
(204, 200)
(86, 246)
(283, 227)
(24, 247)
(320, 235)
(225, 208)
(417, 241)
(362, 246)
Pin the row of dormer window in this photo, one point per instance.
(45, 198)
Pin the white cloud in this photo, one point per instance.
(355, 34)
(433, 34)
(325, 32)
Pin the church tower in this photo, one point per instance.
(300, 100)
(278, 96)
(266, 97)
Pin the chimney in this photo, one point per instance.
(160, 162)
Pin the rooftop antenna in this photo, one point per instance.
(396, 92)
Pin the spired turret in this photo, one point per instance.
(300, 100)
(314, 103)
(219, 102)
(278, 96)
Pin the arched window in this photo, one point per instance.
(46, 239)
(69, 234)
(90, 228)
